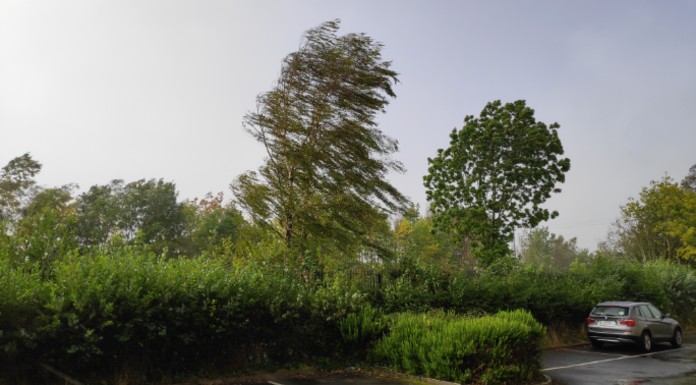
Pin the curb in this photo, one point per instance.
(432, 381)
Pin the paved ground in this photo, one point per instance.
(620, 365)
(613, 365)
(348, 379)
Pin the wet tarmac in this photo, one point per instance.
(582, 365)
(623, 365)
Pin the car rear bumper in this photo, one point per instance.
(613, 337)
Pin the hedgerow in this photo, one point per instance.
(160, 317)
(124, 310)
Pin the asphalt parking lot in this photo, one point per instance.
(580, 365)
(348, 379)
(623, 365)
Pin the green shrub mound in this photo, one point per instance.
(498, 349)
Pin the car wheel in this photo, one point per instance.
(596, 344)
(677, 338)
(646, 341)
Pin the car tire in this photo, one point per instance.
(646, 342)
(596, 344)
(677, 338)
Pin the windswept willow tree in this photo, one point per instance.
(324, 178)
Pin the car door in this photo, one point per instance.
(662, 329)
(652, 322)
(644, 317)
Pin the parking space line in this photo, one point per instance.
(274, 383)
(612, 359)
(594, 352)
(587, 363)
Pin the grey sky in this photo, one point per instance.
(99, 90)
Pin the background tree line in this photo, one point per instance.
(322, 195)
(41, 224)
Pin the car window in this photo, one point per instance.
(612, 311)
(655, 311)
(646, 312)
(638, 312)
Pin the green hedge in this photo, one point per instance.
(552, 297)
(125, 310)
(499, 349)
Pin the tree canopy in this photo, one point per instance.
(324, 177)
(659, 224)
(16, 181)
(541, 247)
(498, 171)
(689, 181)
(146, 211)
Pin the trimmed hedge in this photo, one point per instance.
(161, 317)
(498, 349)
(552, 297)
(125, 310)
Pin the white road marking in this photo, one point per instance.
(614, 359)
(587, 363)
(274, 383)
(593, 352)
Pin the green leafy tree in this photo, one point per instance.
(153, 214)
(541, 247)
(98, 211)
(689, 181)
(47, 230)
(141, 212)
(498, 171)
(660, 224)
(212, 226)
(16, 182)
(414, 237)
(324, 178)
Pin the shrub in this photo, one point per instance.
(124, 308)
(127, 309)
(497, 349)
(361, 330)
(21, 297)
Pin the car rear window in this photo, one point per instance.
(612, 311)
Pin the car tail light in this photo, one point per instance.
(590, 320)
(628, 322)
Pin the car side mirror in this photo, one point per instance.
(666, 315)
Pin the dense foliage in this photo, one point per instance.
(689, 181)
(494, 177)
(324, 179)
(16, 181)
(124, 310)
(541, 247)
(498, 349)
(659, 224)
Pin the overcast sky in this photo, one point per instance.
(130, 89)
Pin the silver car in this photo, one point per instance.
(632, 322)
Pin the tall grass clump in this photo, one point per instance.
(361, 330)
